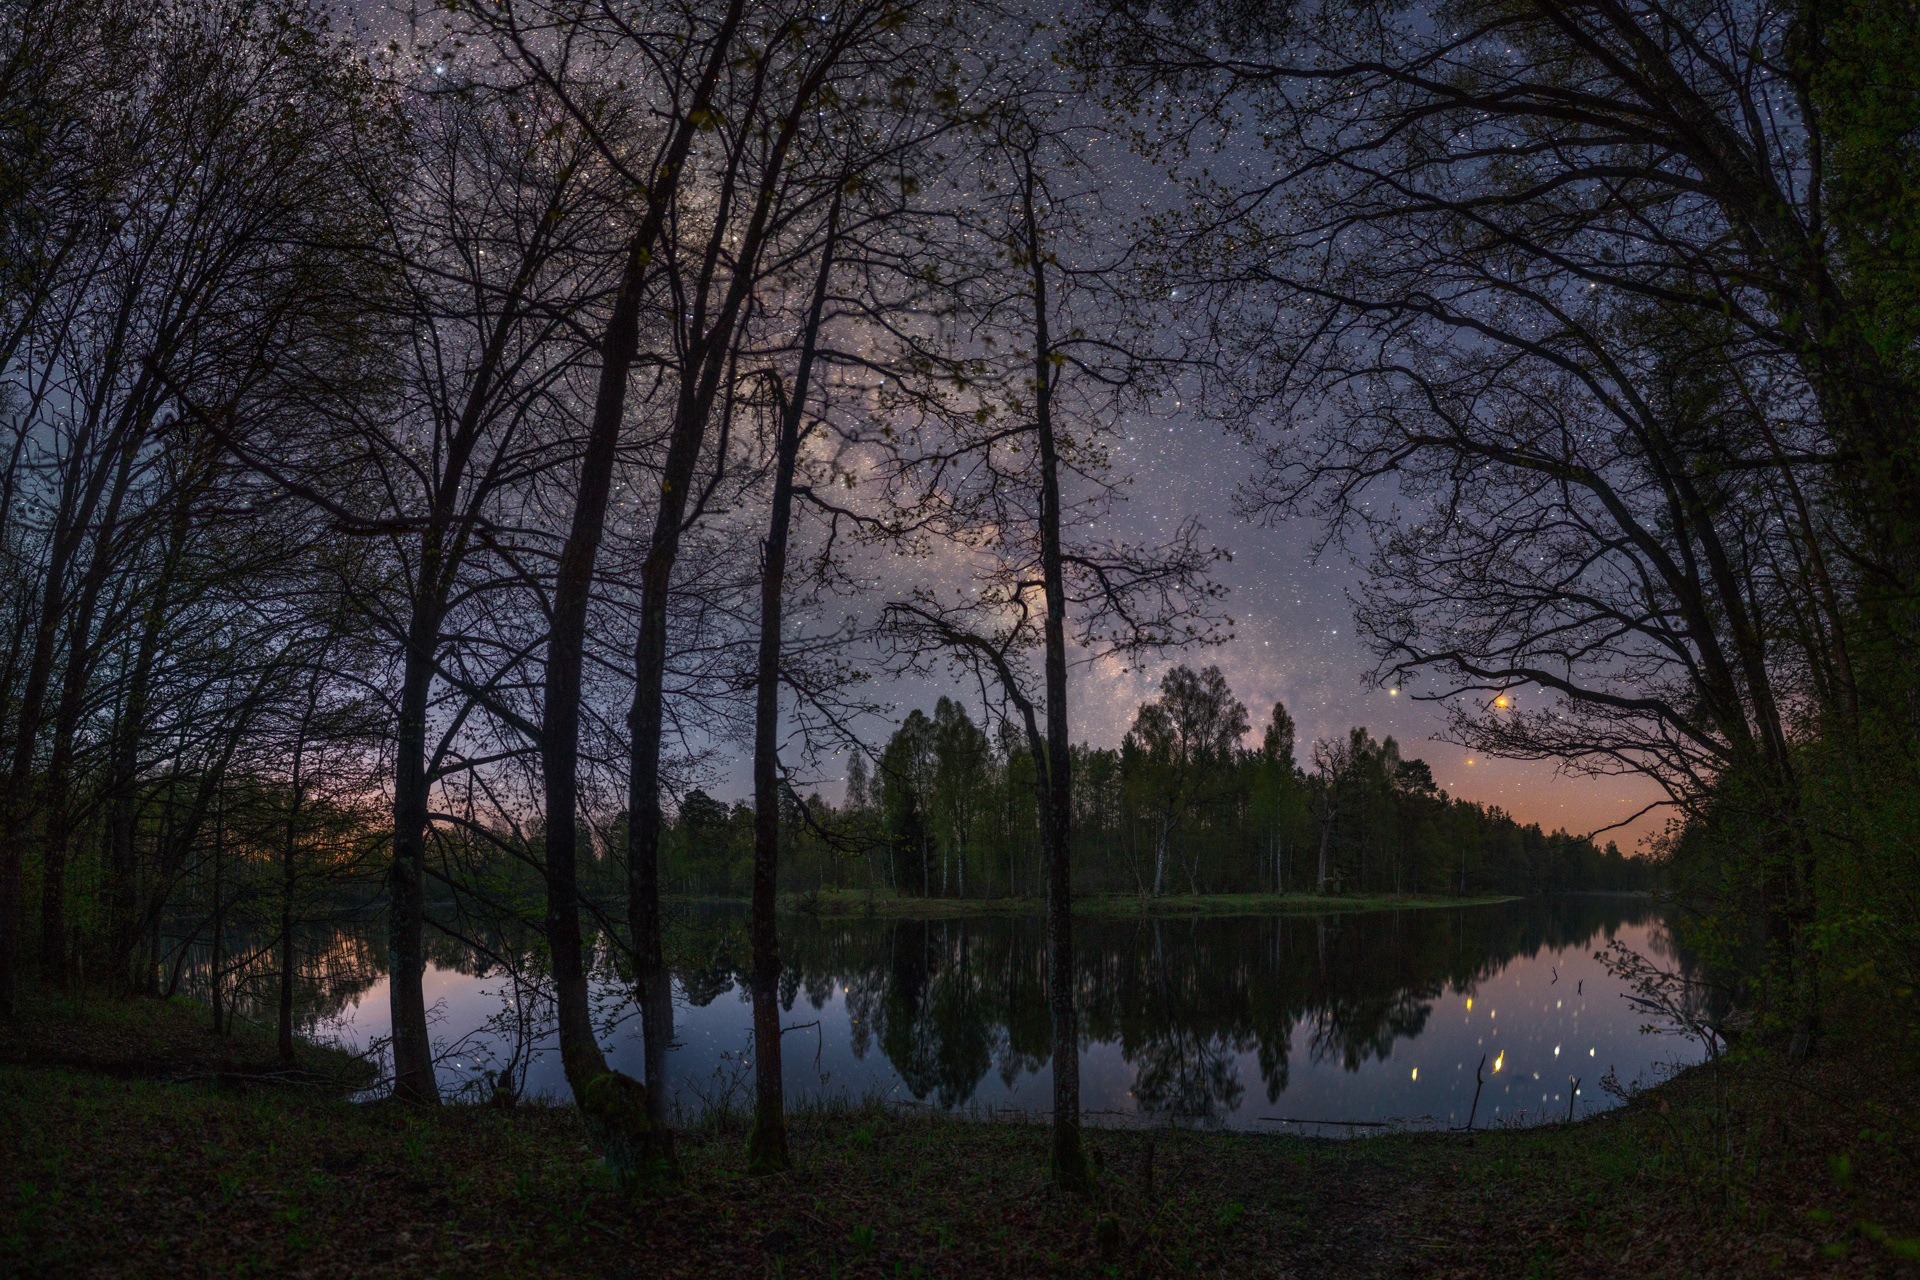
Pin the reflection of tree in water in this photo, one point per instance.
(1350, 1032)
(940, 1005)
(336, 965)
(1181, 1017)
(1187, 1077)
(339, 960)
(715, 973)
(948, 1001)
(937, 1018)
(1369, 991)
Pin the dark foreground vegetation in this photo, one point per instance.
(133, 1162)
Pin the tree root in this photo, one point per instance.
(614, 1107)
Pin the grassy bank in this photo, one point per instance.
(851, 902)
(1802, 1172)
(164, 1039)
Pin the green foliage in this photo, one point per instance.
(1861, 61)
(613, 1108)
(949, 815)
(767, 1146)
(1803, 905)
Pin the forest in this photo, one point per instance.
(435, 446)
(1180, 806)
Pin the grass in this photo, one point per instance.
(853, 902)
(1808, 1171)
(150, 1038)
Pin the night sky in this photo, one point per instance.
(1294, 642)
(1294, 638)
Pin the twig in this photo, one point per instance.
(1478, 1084)
(1351, 1124)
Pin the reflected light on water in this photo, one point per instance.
(1208, 1021)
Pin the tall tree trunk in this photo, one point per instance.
(1069, 1160)
(57, 801)
(122, 891)
(78, 501)
(645, 721)
(1327, 811)
(767, 1144)
(124, 916)
(615, 1107)
(1791, 870)
(15, 808)
(1160, 854)
(288, 877)
(284, 1040)
(57, 833)
(413, 1079)
(625, 1119)
(705, 361)
(219, 915)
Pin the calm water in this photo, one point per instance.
(1379, 1016)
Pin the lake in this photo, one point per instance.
(1249, 1022)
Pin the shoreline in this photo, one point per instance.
(1115, 906)
(167, 1165)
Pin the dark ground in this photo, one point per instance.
(133, 1142)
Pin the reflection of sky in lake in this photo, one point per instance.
(1540, 1033)
(1401, 1047)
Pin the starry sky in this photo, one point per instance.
(1294, 639)
(1293, 642)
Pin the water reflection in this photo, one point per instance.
(1364, 1016)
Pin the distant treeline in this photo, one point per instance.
(1180, 806)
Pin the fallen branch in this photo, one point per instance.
(1351, 1124)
